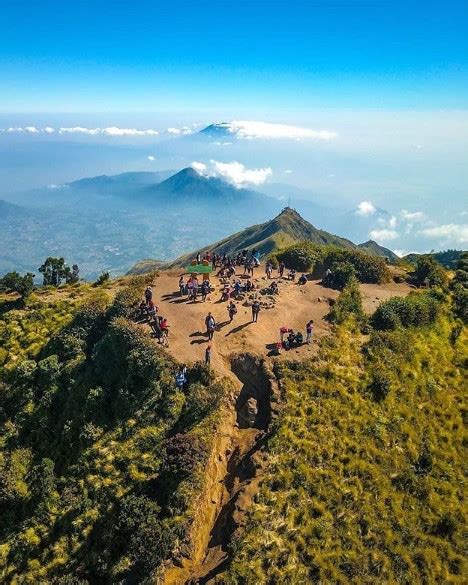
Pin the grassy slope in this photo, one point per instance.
(363, 491)
(87, 485)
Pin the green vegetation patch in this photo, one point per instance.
(101, 456)
(308, 257)
(365, 482)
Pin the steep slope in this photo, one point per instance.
(375, 249)
(285, 229)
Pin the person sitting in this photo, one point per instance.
(237, 288)
(274, 288)
(299, 339)
(151, 309)
(143, 312)
(292, 274)
(302, 279)
(291, 339)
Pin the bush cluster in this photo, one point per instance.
(413, 310)
(308, 257)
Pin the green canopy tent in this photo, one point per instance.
(200, 269)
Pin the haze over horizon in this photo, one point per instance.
(357, 106)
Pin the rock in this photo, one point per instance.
(248, 413)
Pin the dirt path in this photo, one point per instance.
(240, 474)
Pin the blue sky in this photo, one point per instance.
(274, 56)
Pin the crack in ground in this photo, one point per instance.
(244, 467)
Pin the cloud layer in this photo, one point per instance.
(233, 172)
(110, 131)
(250, 129)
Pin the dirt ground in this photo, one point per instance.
(292, 308)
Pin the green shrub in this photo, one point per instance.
(308, 257)
(348, 303)
(341, 274)
(413, 310)
(102, 279)
(429, 271)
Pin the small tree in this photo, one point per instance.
(349, 303)
(13, 281)
(73, 276)
(341, 274)
(429, 271)
(54, 271)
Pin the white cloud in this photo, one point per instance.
(253, 129)
(183, 131)
(365, 208)
(287, 171)
(450, 232)
(110, 131)
(198, 166)
(392, 222)
(412, 216)
(151, 157)
(216, 143)
(383, 235)
(48, 130)
(28, 129)
(236, 173)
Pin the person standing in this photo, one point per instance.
(281, 268)
(309, 331)
(181, 286)
(210, 326)
(255, 311)
(208, 355)
(232, 310)
(180, 379)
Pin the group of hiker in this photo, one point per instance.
(290, 339)
(230, 290)
(192, 288)
(148, 312)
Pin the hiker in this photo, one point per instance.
(181, 286)
(274, 288)
(255, 311)
(302, 279)
(180, 379)
(148, 294)
(268, 269)
(281, 267)
(309, 331)
(198, 258)
(237, 288)
(292, 274)
(283, 332)
(205, 289)
(151, 309)
(208, 355)
(299, 340)
(210, 325)
(226, 293)
(232, 310)
(291, 339)
(189, 288)
(143, 310)
(195, 290)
